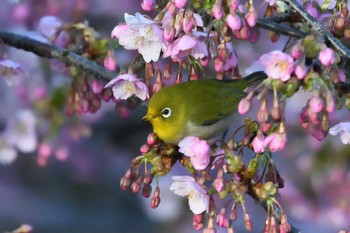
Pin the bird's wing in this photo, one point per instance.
(222, 104)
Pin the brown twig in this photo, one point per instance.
(61, 54)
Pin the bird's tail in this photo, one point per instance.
(250, 80)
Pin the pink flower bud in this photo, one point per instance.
(151, 139)
(234, 21)
(327, 57)
(136, 185)
(296, 51)
(300, 71)
(248, 224)
(156, 198)
(198, 221)
(221, 219)
(218, 183)
(330, 103)
(180, 3)
(316, 104)
(219, 65)
(244, 106)
(258, 144)
(44, 150)
(311, 9)
(144, 149)
(146, 190)
(97, 86)
(110, 63)
(263, 114)
(251, 18)
(188, 24)
(169, 34)
(218, 11)
(171, 8)
(148, 5)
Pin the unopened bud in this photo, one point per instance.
(244, 106)
(251, 17)
(247, 222)
(234, 21)
(316, 103)
(221, 219)
(146, 190)
(156, 198)
(136, 186)
(144, 149)
(198, 221)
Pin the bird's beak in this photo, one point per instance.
(148, 117)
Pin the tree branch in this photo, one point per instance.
(271, 25)
(319, 29)
(61, 54)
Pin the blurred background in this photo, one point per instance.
(79, 191)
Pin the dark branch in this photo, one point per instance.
(51, 51)
(279, 28)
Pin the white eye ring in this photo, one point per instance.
(166, 112)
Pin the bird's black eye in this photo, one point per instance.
(166, 112)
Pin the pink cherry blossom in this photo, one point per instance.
(198, 198)
(198, 151)
(278, 65)
(126, 85)
(342, 129)
(142, 34)
(184, 46)
(327, 57)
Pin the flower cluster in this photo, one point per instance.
(234, 178)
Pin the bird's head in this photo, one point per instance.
(166, 114)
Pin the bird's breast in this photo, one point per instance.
(209, 131)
